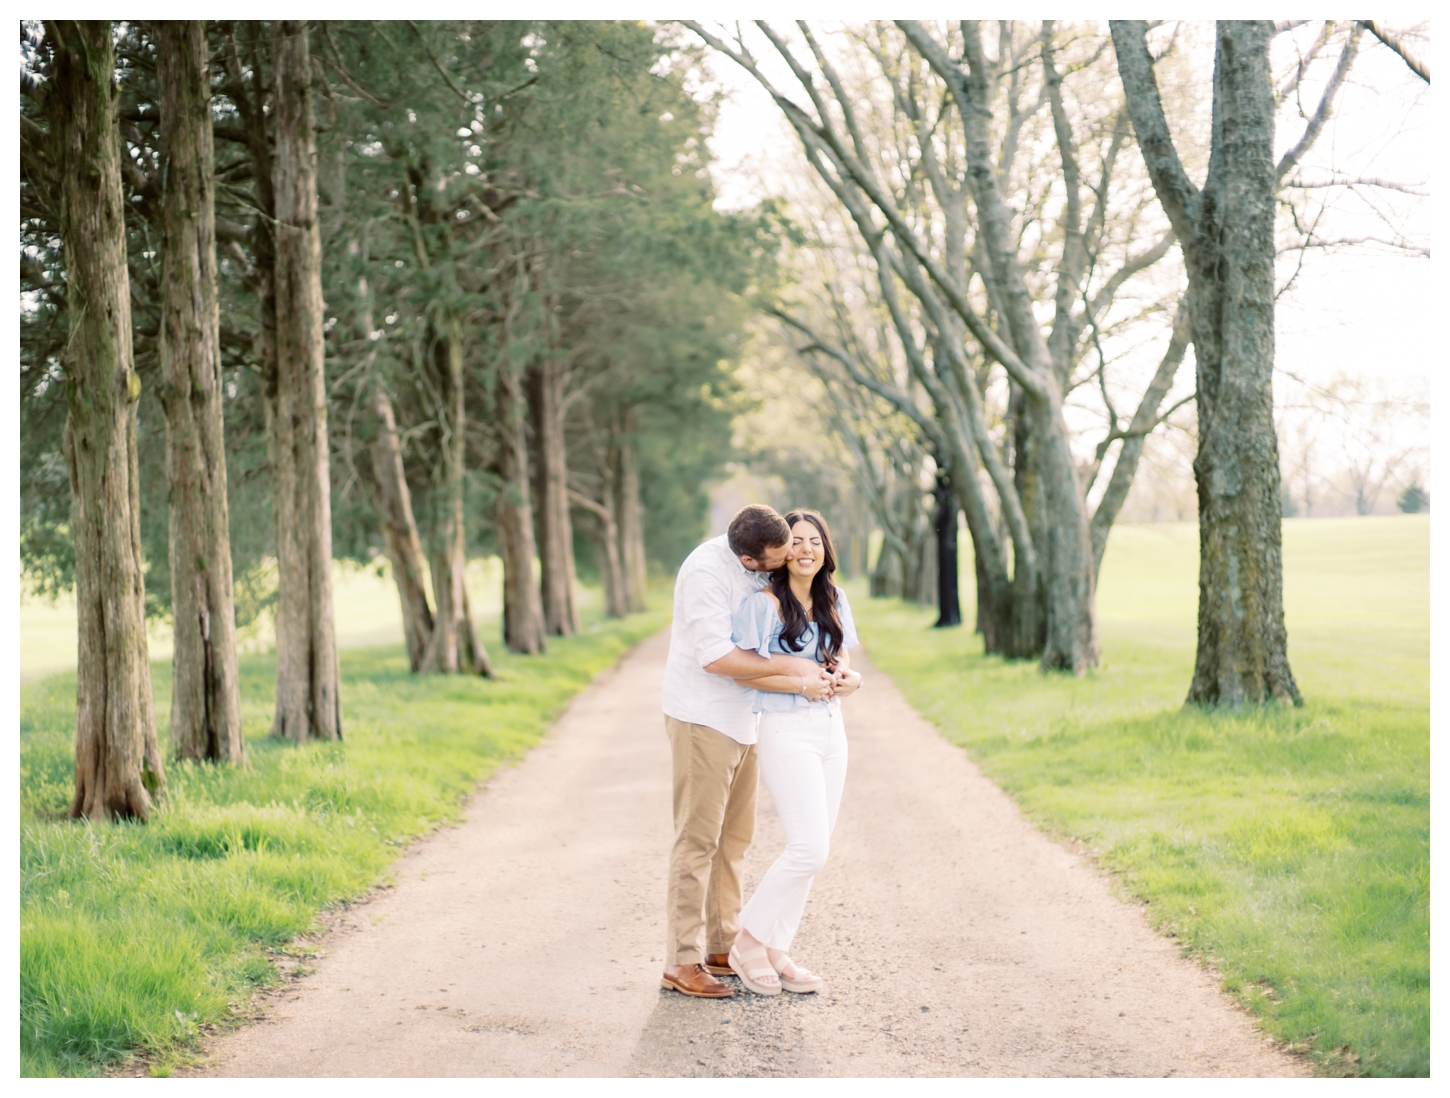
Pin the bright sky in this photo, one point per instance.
(1360, 310)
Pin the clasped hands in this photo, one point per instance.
(822, 684)
(788, 675)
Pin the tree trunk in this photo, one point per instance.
(996, 596)
(551, 498)
(1242, 643)
(948, 602)
(885, 576)
(119, 771)
(604, 533)
(454, 646)
(308, 698)
(630, 514)
(1027, 634)
(1227, 235)
(391, 499)
(616, 591)
(251, 99)
(206, 708)
(1070, 625)
(924, 570)
(471, 652)
(1060, 562)
(523, 611)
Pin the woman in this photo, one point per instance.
(802, 745)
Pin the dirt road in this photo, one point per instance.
(955, 938)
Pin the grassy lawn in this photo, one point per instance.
(1290, 848)
(134, 936)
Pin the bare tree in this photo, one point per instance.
(1227, 230)
(1351, 438)
(1227, 233)
(933, 213)
(118, 766)
(206, 710)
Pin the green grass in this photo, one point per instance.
(1287, 847)
(133, 936)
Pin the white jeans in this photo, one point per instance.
(802, 760)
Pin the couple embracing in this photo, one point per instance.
(758, 664)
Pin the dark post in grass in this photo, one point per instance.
(948, 602)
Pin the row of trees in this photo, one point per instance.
(307, 288)
(1000, 213)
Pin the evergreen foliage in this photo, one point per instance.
(455, 159)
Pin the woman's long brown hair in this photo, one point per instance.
(823, 595)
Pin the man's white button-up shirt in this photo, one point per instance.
(711, 584)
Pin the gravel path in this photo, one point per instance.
(955, 938)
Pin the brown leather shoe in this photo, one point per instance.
(719, 964)
(694, 980)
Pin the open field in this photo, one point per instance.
(1289, 848)
(365, 613)
(135, 936)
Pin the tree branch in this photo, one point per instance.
(432, 57)
(894, 396)
(581, 500)
(1396, 43)
(1325, 110)
(1361, 181)
(825, 137)
(1104, 297)
(1180, 198)
(1144, 421)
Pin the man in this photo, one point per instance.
(712, 743)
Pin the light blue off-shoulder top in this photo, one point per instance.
(756, 627)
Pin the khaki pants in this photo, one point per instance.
(714, 798)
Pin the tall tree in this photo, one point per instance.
(309, 705)
(454, 645)
(206, 710)
(119, 770)
(546, 383)
(523, 610)
(394, 504)
(600, 506)
(1227, 232)
(629, 508)
(412, 217)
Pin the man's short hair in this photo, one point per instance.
(756, 528)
